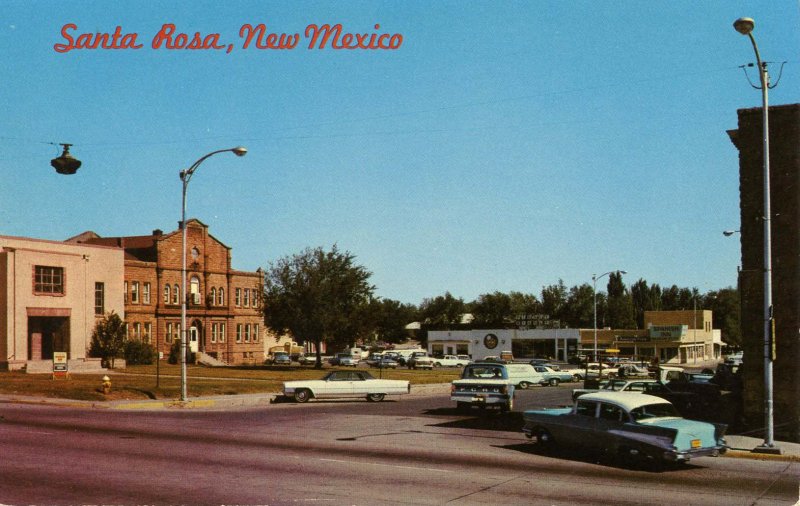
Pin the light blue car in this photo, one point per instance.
(634, 427)
(552, 376)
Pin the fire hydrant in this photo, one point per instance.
(106, 385)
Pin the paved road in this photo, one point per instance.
(416, 450)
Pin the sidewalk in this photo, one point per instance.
(739, 446)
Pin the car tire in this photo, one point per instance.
(524, 385)
(544, 438)
(508, 406)
(463, 407)
(633, 458)
(437, 364)
(553, 382)
(577, 377)
(302, 395)
(375, 397)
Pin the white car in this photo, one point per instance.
(338, 384)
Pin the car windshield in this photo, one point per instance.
(659, 410)
(485, 371)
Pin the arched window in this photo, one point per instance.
(213, 296)
(221, 297)
(166, 294)
(176, 295)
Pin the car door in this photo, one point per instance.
(579, 427)
(610, 419)
(339, 384)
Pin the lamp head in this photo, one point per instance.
(744, 25)
(623, 272)
(239, 150)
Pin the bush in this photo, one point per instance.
(175, 352)
(139, 353)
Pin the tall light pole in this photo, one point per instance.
(745, 26)
(595, 277)
(186, 176)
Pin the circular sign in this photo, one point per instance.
(490, 341)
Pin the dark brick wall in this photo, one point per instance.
(785, 203)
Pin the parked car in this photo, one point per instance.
(615, 385)
(384, 363)
(338, 384)
(552, 376)
(630, 371)
(344, 360)
(637, 428)
(312, 359)
(419, 360)
(484, 384)
(449, 361)
(525, 376)
(279, 358)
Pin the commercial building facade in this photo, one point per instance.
(675, 337)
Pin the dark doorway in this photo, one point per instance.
(47, 334)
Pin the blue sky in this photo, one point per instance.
(503, 146)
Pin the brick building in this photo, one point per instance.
(223, 308)
(785, 206)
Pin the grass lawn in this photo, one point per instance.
(141, 382)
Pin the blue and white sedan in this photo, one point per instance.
(637, 428)
(342, 384)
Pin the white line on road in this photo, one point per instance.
(391, 465)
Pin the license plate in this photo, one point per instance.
(696, 443)
(479, 398)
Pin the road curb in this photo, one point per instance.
(748, 454)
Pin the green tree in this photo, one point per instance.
(579, 311)
(554, 300)
(108, 339)
(318, 296)
(726, 308)
(390, 318)
(492, 310)
(442, 311)
(645, 298)
(524, 303)
(620, 304)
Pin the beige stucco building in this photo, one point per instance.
(51, 296)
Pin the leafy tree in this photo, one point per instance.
(523, 303)
(492, 310)
(620, 304)
(442, 311)
(108, 339)
(726, 306)
(390, 318)
(579, 308)
(554, 300)
(644, 299)
(318, 296)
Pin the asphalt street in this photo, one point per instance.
(410, 450)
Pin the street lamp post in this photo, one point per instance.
(745, 26)
(186, 176)
(595, 277)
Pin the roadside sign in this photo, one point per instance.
(60, 365)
